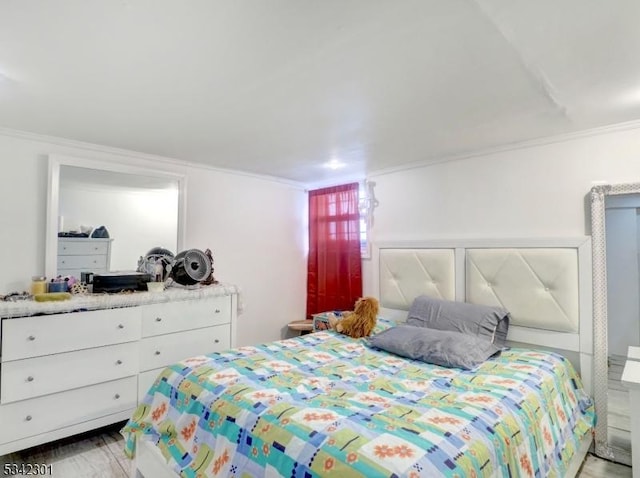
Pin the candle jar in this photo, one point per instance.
(38, 285)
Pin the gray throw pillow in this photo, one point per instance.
(439, 347)
(480, 320)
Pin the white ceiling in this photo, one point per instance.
(279, 87)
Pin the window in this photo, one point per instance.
(334, 269)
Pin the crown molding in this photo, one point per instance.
(338, 181)
(97, 148)
(532, 143)
(126, 153)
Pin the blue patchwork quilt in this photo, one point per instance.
(327, 405)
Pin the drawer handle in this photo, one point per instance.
(217, 311)
(157, 352)
(120, 326)
(32, 338)
(118, 362)
(28, 418)
(117, 396)
(217, 341)
(158, 319)
(29, 378)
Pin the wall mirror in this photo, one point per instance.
(139, 208)
(615, 235)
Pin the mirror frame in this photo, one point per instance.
(600, 318)
(53, 196)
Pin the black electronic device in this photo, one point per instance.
(192, 266)
(120, 281)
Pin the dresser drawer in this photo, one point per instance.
(48, 334)
(38, 376)
(164, 350)
(82, 262)
(38, 415)
(79, 248)
(158, 319)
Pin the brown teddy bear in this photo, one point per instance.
(360, 322)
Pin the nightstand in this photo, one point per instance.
(302, 326)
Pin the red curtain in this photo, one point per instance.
(334, 272)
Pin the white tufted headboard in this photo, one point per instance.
(544, 283)
(408, 273)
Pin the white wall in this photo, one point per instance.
(253, 225)
(538, 191)
(256, 233)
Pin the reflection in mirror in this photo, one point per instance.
(137, 212)
(623, 311)
(615, 231)
(103, 217)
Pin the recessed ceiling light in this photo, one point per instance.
(334, 164)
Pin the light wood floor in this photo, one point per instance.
(96, 454)
(99, 454)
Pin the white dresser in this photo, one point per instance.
(83, 254)
(68, 372)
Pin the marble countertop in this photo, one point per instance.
(23, 308)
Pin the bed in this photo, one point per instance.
(324, 404)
